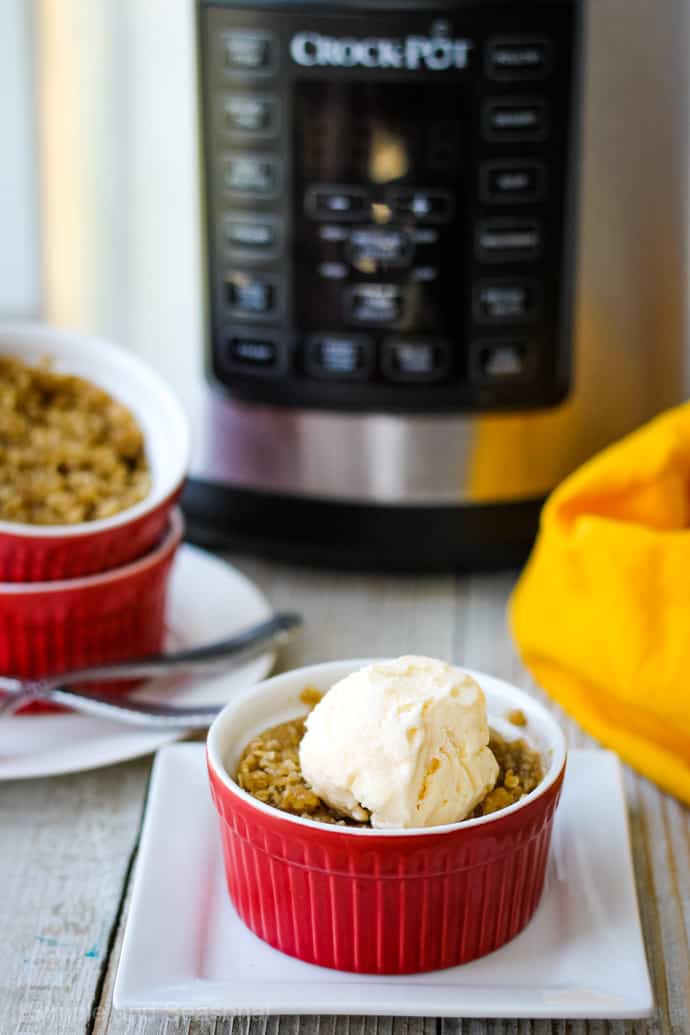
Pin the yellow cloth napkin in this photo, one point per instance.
(601, 614)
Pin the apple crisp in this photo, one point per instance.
(269, 769)
(520, 770)
(68, 451)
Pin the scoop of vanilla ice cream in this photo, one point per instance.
(407, 740)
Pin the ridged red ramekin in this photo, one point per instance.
(380, 902)
(41, 553)
(26, 558)
(51, 627)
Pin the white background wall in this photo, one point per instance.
(120, 212)
(19, 266)
(120, 177)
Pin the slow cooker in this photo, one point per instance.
(405, 265)
(390, 227)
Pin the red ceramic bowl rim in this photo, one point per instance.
(167, 544)
(61, 342)
(518, 699)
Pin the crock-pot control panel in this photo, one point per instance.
(389, 203)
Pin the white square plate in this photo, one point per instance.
(186, 951)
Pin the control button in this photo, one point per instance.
(415, 360)
(333, 270)
(339, 357)
(251, 236)
(501, 362)
(251, 175)
(427, 206)
(334, 233)
(498, 301)
(375, 303)
(517, 57)
(251, 296)
(500, 240)
(506, 182)
(340, 203)
(247, 52)
(253, 352)
(515, 120)
(372, 248)
(246, 115)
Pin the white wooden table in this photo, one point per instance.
(68, 845)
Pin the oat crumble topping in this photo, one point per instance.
(269, 769)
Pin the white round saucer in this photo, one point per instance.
(208, 600)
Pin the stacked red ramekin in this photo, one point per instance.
(382, 902)
(77, 595)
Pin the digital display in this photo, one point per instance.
(380, 132)
(381, 196)
(388, 194)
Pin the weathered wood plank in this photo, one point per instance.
(660, 833)
(345, 616)
(661, 904)
(72, 839)
(65, 846)
(349, 615)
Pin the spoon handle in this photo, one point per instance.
(250, 642)
(137, 713)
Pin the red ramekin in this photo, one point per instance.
(381, 902)
(40, 553)
(52, 627)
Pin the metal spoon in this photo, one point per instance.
(258, 638)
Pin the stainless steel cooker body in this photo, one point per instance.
(460, 482)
